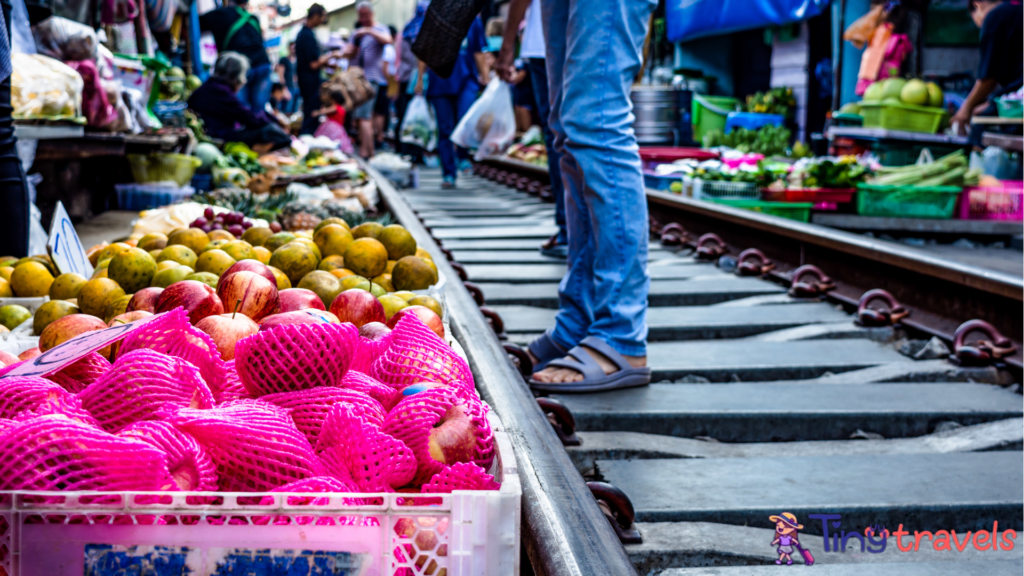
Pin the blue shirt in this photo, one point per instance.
(465, 74)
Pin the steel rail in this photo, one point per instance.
(564, 532)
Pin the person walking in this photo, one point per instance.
(532, 51)
(407, 68)
(452, 97)
(286, 75)
(367, 51)
(235, 29)
(308, 62)
(599, 341)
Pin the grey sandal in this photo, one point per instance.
(545, 349)
(594, 378)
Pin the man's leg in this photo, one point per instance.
(310, 104)
(13, 191)
(539, 78)
(601, 172)
(444, 110)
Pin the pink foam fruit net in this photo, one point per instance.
(309, 408)
(417, 355)
(295, 357)
(190, 466)
(353, 448)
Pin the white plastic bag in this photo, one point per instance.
(490, 124)
(44, 87)
(419, 126)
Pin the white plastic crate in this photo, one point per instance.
(704, 189)
(466, 533)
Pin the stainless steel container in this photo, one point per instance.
(662, 115)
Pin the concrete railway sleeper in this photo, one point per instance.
(796, 369)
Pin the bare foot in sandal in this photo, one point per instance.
(555, 375)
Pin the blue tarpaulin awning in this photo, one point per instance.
(690, 19)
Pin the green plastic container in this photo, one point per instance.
(160, 167)
(1010, 108)
(799, 211)
(709, 113)
(904, 153)
(936, 202)
(902, 117)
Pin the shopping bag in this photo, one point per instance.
(419, 126)
(490, 124)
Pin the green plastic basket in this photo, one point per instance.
(902, 117)
(936, 202)
(799, 211)
(710, 113)
(904, 153)
(1010, 108)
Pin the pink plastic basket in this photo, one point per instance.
(991, 203)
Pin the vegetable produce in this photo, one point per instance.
(208, 154)
(767, 140)
(775, 101)
(950, 170)
(843, 172)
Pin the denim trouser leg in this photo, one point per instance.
(539, 79)
(594, 51)
(444, 110)
(256, 91)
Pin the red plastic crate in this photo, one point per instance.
(654, 155)
(822, 198)
(991, 203)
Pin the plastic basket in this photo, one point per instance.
(145, 196)
(1010, 108)
(820, 198)
(75, 533)
(988, 203)
(710, 113)
(660, 181)
(163, 167)
(902, 117)
(714, 189)
(907, 201)
(903, 153)
(752, 120)
(652, 156)
(799, 211)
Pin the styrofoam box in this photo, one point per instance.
(74, 533)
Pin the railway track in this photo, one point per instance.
(770, 395)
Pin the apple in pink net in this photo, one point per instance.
(426, 315)
(248, 265)
(454, 437)
(374, 331)
(248, 293)
(198, 300)
(294, 299)
(144, 300)
(359, 307)
(123, 319)
(226, 330)
(6, 359)
(307, 316)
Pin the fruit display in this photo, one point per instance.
(228, 404)
(234, 222)
(899, 91)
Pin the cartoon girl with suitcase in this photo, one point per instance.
(786, 538)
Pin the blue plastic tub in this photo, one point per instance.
(752, 120)
(660, 181)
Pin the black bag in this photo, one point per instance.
(445, 26)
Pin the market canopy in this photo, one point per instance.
(691, 19)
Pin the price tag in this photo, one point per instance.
(64, 246)
(58, 357)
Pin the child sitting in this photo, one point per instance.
(337, 103)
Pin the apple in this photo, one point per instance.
(453, 438)
(374, 331)
(426, 315)
(29, 354)
(124, 319)
(198, 300)
(307, 316)
(358, 307)
(226, 330)
(248, 293)
(294, 299)
(67, 327)
(247, 265)
(144, 300)
(6, 359)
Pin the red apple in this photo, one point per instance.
(248, 293)
(307, 316)
(428, 316)
(198, 300)
(454, 437)
(30, 353)
(144, 300)
(6, 359)
(123, 319)
(226, 330)
(67, 327)
(374, 331)
(248, 266)
(358, 307)
(294, 299)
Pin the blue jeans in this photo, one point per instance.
(539, 78)
(256, 91)
(593, 53)
(449, 110)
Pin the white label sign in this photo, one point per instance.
(65, 247)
